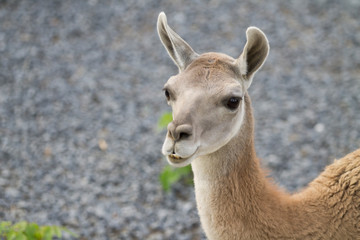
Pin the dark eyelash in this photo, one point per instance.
(167, 93)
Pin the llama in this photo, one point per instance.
(213, 130)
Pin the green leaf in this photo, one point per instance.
(11, 235)
(20, 226)
(184, 170)
(164, 120)
(4, 227)
(164, 176)
(39, 234)
(57, 231)
(170, 175)
(20, 236)
(48, 233)
(31, 231)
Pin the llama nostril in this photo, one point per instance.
(180, 132)
(183, 132)
(184, 135)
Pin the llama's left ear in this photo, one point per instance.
(254, 54)
(179, 50)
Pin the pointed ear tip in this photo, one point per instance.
(162, 17)
(254, 29)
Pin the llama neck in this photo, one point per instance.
(231, 189)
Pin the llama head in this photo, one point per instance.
(207, 94)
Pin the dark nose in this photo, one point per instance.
(179, 132)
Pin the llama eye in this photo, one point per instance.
(167, 94)
(233, 103)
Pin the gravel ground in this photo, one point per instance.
(80, 95)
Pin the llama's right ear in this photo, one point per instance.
(254, 54)
(179, 50)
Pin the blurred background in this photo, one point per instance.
(80, 98)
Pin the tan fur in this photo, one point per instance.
(235, 200)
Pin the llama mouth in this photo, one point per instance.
(176, 158)
(178, 161)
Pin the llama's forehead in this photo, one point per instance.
(212, 71)
(215, 61)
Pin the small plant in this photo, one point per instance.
(170, 175)
(30, 231)
(164, 120)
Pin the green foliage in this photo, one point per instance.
(170, 175)
(30, 231)
(164, 120)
